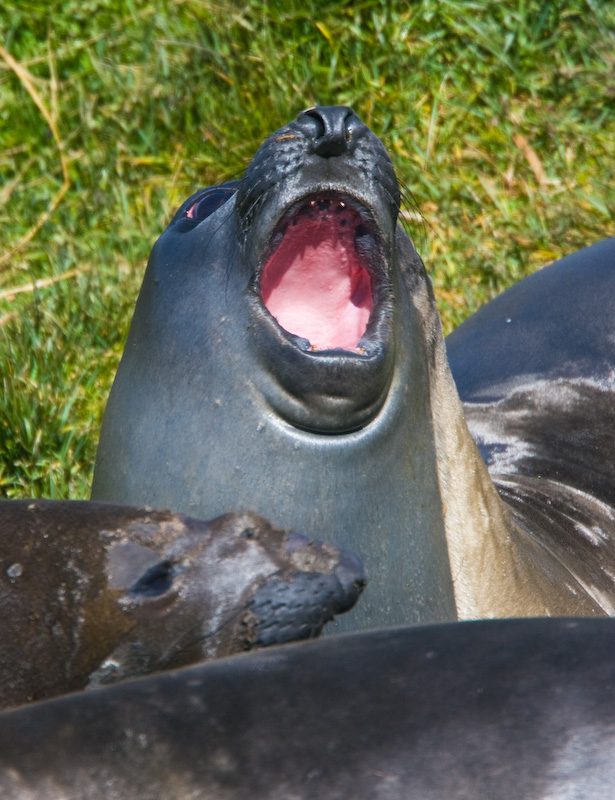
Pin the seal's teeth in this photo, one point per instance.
(303, 343)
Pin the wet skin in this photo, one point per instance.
(91, 593)
(506, 709)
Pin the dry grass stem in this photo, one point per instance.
(27, 81)
(31, 287)
(531, 158)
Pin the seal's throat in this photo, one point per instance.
(317, 280)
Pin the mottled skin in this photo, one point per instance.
(535, 369)
(91, 593)
(494, 709)
(372, 442)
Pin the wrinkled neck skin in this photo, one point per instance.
(498, 570)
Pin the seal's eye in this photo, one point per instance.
(207, 203)
(156, 581)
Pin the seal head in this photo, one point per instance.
(92, 593)
(286, 356)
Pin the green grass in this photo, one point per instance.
(154, 99)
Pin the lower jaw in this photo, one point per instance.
(329, 392)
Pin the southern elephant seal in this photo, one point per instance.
(91, 593)
(285, 319)
(492, 709)
(535, 369)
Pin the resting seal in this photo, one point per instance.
(535, 369)
(285, 319)
(492, 709)
(92, 593)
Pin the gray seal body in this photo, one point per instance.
(491, 709)
(91, 593)
(535, 369)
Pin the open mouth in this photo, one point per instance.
(321, 273)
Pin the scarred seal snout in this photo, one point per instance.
(350, 574)
(319, 583)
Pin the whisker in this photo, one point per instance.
(412, 218)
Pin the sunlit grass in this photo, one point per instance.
(500, 119)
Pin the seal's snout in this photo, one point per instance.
(324, 238)
(295, 606)
(333, 130)
(320, 582)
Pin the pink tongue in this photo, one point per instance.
(315, 286)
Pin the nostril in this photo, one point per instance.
(313, 121)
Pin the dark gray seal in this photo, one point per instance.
(535, 369)
(216, 406)
(497, 709)
(91, 593)
(286, 355)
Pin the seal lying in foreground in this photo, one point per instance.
(91, 593)
(286, 355)
(496, 709)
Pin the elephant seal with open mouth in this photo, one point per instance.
(92, 593)
(286, 355)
